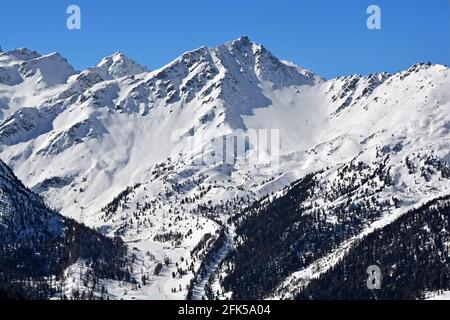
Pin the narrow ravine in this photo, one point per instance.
(198, 292)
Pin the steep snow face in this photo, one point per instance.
(47, 70)
(348, 90)
(22, 65)
(406, 112)
(249, 69)
(27, 78)
(255, 62)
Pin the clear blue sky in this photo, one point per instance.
(328, 37)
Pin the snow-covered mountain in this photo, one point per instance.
(37, 245)
(111, 146)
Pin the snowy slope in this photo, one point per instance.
(438, 296)
(28, 78)
(109, 146)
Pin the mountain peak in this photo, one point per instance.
(118, 65)
(420, 66)
(252, 57)
(117, 57)
(23, 54)
(242, 42)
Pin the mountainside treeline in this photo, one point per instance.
(413, 254)
(37, 245)
(278, 236)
